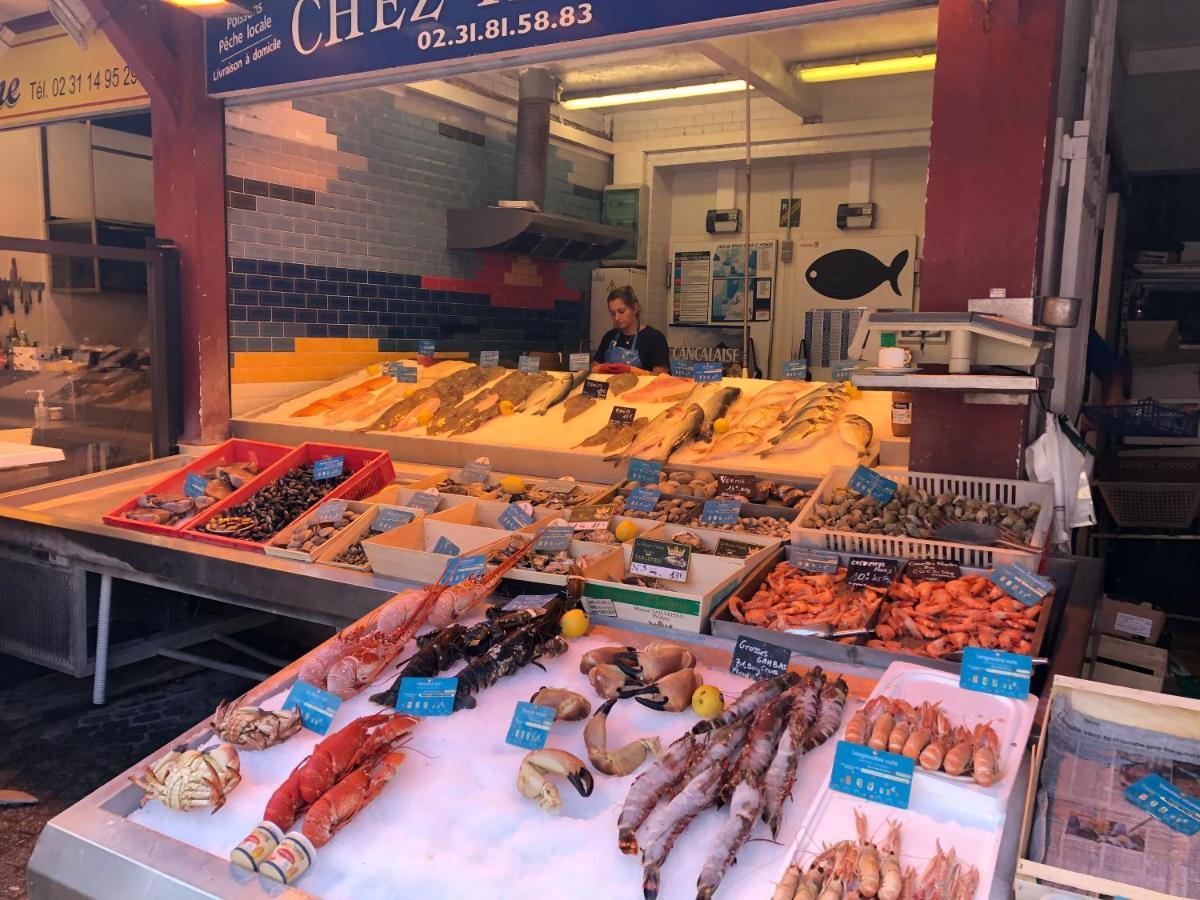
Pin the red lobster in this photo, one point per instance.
(359, 743)
(337, 806)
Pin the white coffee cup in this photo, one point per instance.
(894, 358)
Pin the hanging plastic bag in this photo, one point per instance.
(1061, 457)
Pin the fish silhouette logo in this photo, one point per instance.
(850, 274)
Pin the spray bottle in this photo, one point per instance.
(41, 415)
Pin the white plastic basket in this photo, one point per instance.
(998, 490)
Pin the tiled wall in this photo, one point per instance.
(337, 229)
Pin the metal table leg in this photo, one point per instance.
(100, 678)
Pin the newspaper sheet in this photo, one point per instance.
(1083, 821)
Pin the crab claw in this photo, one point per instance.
(533, 783)
(601, 656)
(673, 692)
(609, 681)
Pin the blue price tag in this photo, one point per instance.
(872, 774)
(720, 512)
(331, 511)
(332, 467)
(515, 517)
(642, 499)
(426, 501)
(820, 561)
(402, 373)
(579, 362)
(1020, 584)
(995, 672)
(643, 471)
(709, 371)
(489, 359)
(463, 567)
(1165, 802)
(530, 726)
(446, 547)
(528, 363)
(528, 601)
(843, 368)
(872, 484)
(681, 368)
(387, 519)
(195, 485)
(427, 696)
(554, 539)
(795, 370)
(317, 707)
(426, 348)
(474, 471)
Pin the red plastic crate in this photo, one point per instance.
(232, 451)
(371, 472)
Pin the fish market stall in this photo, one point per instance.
(473, 813)
(453, 412)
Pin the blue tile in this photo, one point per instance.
(349, 289)
(236, 281)
(283, 314)
(269, 267)
(317, 272)
(306, 285)
(374, 277)
(327, 287)
(283, 285)
(244, 329)
(246, 298)
(266, 298)
(293, 300)
(258, 345)
(388, 292)
(368, 318)
(378, 306)
(359, 331)
(258, 314)
(237, 313)
(318, 331)
(413, 281)
(339, 302)
(395, 280)
(246, 266)
(270, 329)
(306, 315)
(327, 316)
(336, 274)
(258, 282)
(283, 345)
(237, 345)
(368, 290)
(316, 301)
(358, 303)
(293, 270)
(356, 275)
(348, 318)
(338, 330)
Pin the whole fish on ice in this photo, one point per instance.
(666, 431)
(553, 391)
(857, 432)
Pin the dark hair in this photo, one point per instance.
(626, 295)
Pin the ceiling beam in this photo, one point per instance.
(1163, 61)
(750, 59)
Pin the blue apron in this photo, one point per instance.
(629, 357)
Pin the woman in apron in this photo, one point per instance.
(641, 348)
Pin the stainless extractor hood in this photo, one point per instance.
(530, 232)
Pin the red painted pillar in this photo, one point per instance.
(991, 147)
(165, 47)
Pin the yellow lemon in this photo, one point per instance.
(574, 624)
(409, 392)
(512, 484)
(506, 408)
(852, 392)
(707, 701)
(720, 426)
(374, 368)
(424, 417)
(626, 531)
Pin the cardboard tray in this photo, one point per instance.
(1001, 490)
(724, 625)
(766, 545)
(273, 549)
(353, 532)
(1143, 709)
(607, 561)
(407, 552)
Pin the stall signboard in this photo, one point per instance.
(426, 501)
(1020, 584)
(595, 388)
(824, 562)
(528, 363)
(741, 485)
(285, 42)
(579, 362)
(720, 512)
(707, 372)
(795, 370)
(871, 484)
(681, 368)
(195, 485)
(46, 77)
(404, 374)
(1166, 802)
(932, 570)
(730, 549)
(871, 571)
(660, 559)
(391, 518)
(489, 359)
(426, 347)
(330, 467)
(642, 499)
(331, 511)
(643, 471)
(554, 539)
(461, 568)
(446, 547)
(622, 415)
(515, 517)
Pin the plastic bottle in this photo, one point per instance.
(41, 415)
(901, 413)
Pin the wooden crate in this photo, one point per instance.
(1178, 716)
(1131, 664)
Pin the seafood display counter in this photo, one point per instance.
(561, 423)
(455, 810)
